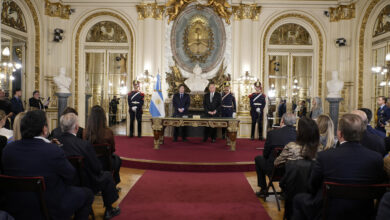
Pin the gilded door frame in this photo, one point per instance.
(81, 30)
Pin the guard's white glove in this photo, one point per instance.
(134, 108)
(258, 110)
(234, 115)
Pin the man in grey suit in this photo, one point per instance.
(212, 108)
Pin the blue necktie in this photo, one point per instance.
(181, 96)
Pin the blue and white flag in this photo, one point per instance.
(156, 108)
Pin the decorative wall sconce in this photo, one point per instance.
(58, 34)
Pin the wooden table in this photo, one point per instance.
(232, 125)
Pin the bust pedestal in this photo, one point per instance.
(334, 104)
(62, 103)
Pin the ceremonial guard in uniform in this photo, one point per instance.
(136, 101)
(257, 102)
(383, 114)
(228, 105)
(181, 103)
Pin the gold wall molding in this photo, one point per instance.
(221, 7)
(361, 49)
(12, 16)
(246, 11)
(37, 43)
(57, 9)
(290, 34)
(320, 46)
(342, 12)
(150, 10)
(77, 47)
(382, 25)
(106, 31)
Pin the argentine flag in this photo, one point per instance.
(156, 108)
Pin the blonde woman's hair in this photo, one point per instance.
(2, 115)
(17, 132)
(326, 127)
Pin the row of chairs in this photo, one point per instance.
(331, 190)
(37, 184)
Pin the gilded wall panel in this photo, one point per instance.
(12, 16)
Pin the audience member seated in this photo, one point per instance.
(95, 178)
(350, 163)
(275, 138)
(97, 132)
(34, 155)
(384, 207)
(16, 125)
(57, 132)
(326, 128)
(6, 106)
(369, 140)
(369, 127)
(3, 143)
(4, 131)
(306, 145)
(295, 180)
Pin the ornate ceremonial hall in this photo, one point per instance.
(190, 91)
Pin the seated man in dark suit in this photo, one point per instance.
(275, 138)
(34, 155)
(350, 163)
(370, 140)
(212, 108)
(95, 178)
(181, 103)
(369, 128)
(57, 132)
(384, 207)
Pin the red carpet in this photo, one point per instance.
(181, 195)
(193, 155)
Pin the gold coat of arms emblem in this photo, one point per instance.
(198, 39)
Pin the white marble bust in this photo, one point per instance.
(62, 81)
(196, 82)
(334, 86)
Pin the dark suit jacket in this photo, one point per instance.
(211, 106)
(373, 142)
(36, 103)
(383, 115)
(384, 207)
(16, 105)
(376, 132)
(350, 163)
(57, 132)
(74, 146)
(34, 157)
(181, 103)
(277, 138)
